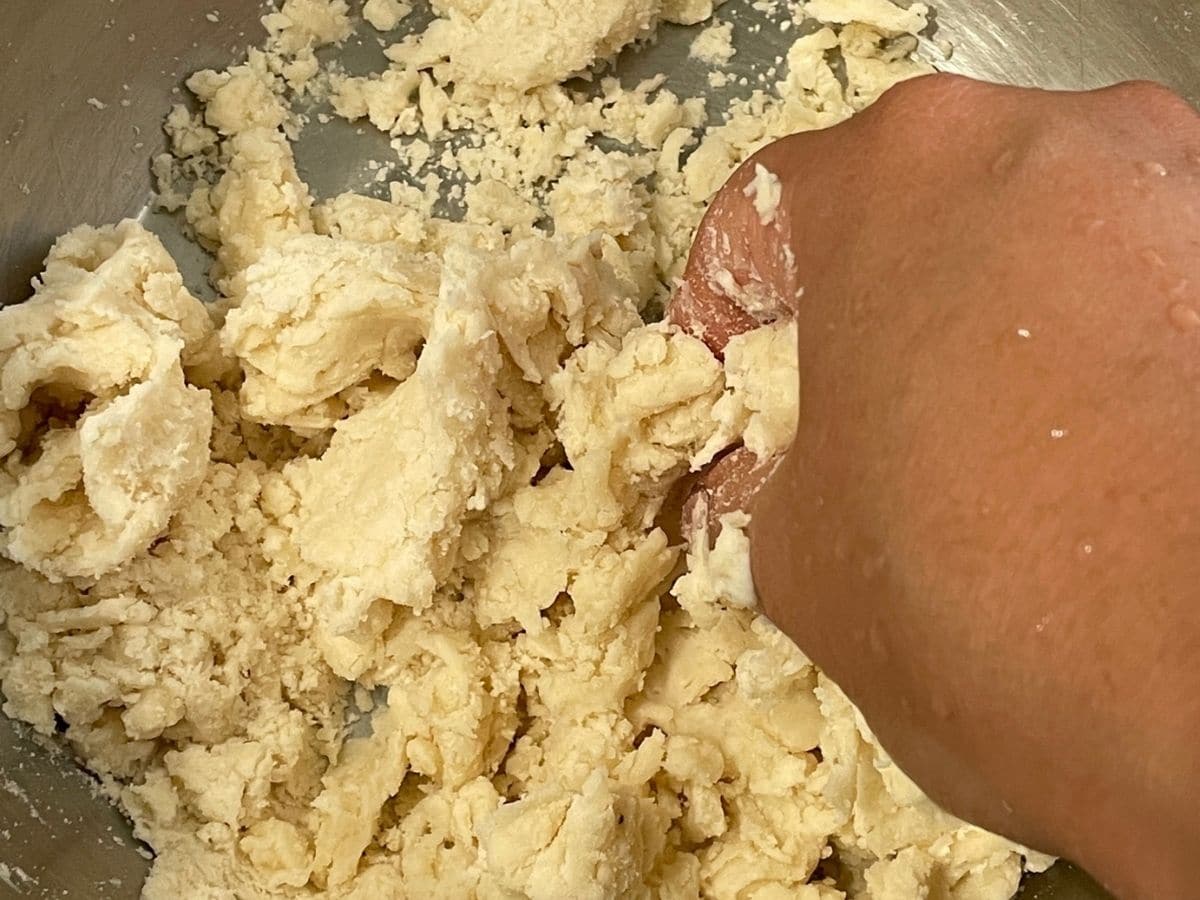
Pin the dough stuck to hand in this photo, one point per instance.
(552, 41)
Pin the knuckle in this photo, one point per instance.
(925, 111)
(1147, 99)
(933, 90)
(1142, 91)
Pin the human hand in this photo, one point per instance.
(988, 528)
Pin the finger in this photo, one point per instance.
(727, 485)
(731, 483)
(708, 315)
(697, 503)
(741, 271)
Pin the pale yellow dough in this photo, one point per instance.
(318, 316)
(554, 41)
(409, 468)
(90, 368)
(350, 585)
(384, 15)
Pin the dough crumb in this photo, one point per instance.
(714, 45)
(550, 44)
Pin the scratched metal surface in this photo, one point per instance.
(62, 162)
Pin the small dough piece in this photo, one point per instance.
(871, 66)
(371, 771)
(549, 297)
(450, 716)
(279, 851)
(539, 540)
(238, 99)
(883, 15)
(592, 845)
(585, 669)
(721, 574)
(634, 416)
(545, 41)
(689, 12)
(385, 15)
(295, 32)
(440, 843)
(372, 221)
(384, 507)
(301, 25)
(766, 192)
(495, 203)
(89, 368)
(605, 193)
(714, 45)
(761, 368)
(388, 101)
(320, 315)
(877, 42)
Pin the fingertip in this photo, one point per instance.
(735, 479)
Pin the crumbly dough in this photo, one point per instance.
(349, 585)
(714, 45)
(554, 41)
(410, 466)
(91, 367)
(883, 15)
(319, 315)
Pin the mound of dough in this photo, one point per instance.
(407, 469)
(319, 316)
(101, 437)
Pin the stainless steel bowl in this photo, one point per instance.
(63, 161)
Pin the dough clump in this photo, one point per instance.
(350, 584)
(101, 437)
(553, 41)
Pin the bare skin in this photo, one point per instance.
(988, 528)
